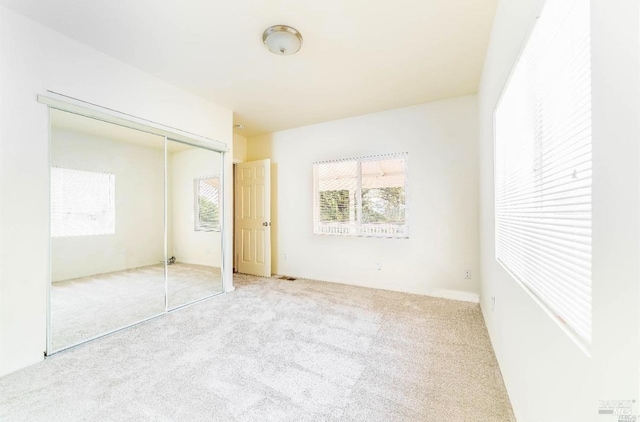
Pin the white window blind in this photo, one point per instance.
(207, 203)
(543, 166)
(361, 197)
(82, 203)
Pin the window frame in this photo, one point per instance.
(357, 228)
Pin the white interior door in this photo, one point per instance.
(253, 217)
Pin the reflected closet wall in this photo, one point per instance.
(136, 224)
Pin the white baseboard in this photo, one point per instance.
(454, 295)
(25, 361)
(439, 293)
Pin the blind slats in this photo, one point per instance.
(578, 303)
(574, 315)
(543, 166)
(579, 164)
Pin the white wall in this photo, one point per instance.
(547, 376)
(441, 139)
(191, 246)
(138, 240)
(239, 148)
(34, 59)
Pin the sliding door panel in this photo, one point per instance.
(107, 228)
(194, 219)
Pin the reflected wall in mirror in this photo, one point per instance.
(194, 215)
(107, 228)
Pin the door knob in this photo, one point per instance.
(266, 224)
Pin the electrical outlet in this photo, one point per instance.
(467, 275)
(378, 267)
(285, 256)
(493, 303)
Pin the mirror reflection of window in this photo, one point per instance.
(207, 203)
(82, 203)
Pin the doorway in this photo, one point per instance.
(252, 218)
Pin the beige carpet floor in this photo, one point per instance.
(276, 350)
(85, 307)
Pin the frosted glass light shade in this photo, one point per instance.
(282, 40)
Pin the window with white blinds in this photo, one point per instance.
(361, 197)
(543, 166)
(207, 203)
(82, 203)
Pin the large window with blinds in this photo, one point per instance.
(361, 197)
(82, 203)
(207, 203)
(543, 167)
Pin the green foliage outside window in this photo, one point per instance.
(383, 205)
(334, 206)
(208, 212)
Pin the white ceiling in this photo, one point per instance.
(358, 57)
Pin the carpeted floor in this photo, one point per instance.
(85, 307)
(277, 350)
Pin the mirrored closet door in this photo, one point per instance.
(194, 243)
(136, 223)
(107, 228)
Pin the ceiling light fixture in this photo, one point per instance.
(282, 40)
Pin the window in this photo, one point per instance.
(82, 203)
(543, 167)
(207, 203)
(361, 197)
